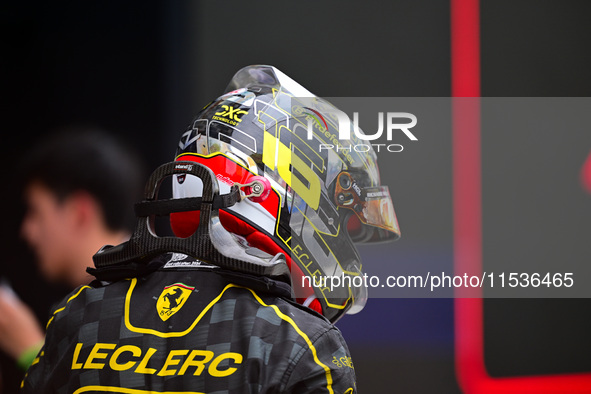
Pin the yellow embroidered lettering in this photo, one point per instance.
(171, 361)
(95, 354)
(75, 363)
(213, 367)
(134, 350)
(142, 367)
(200, 363)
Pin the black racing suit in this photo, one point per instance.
(187, 327)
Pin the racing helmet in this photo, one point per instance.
(266, 135)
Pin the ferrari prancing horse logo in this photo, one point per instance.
(172, 299)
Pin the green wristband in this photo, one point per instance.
(25, 360)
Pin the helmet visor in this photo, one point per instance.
(372, 206)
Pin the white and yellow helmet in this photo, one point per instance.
(308, 203)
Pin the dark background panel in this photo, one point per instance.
(530, 181)
(532, 48)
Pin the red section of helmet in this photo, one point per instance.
(184, 224)
(230, 172)
(353, 225)
(315, 305)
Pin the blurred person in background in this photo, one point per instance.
(79, 187)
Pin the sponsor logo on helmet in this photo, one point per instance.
(224, 179)
(356, 188)
(229, 114)
(317, 116)
(377, 194)
(172, 299)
